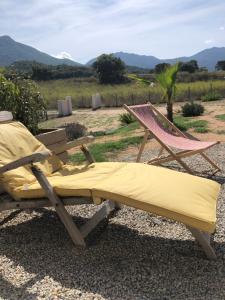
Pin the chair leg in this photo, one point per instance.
(212, 163)
(142, 146)
(64, 216)
(160, 152)
(107, 208)
(203, 239)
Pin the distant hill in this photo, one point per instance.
(206, 58)
(12, 51)
(136, 60)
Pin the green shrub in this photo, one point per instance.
(192, 109)
(22, 98)
(74, 130)
(185, 123)
(201, 129)
(211, 96)
(220, 117)
(126, 118)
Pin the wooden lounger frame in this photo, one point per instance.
(178, 156)
(77, 235)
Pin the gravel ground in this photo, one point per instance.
(136, 257)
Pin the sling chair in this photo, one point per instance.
(34, 177)
(169, 137)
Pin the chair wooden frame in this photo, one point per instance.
(77, 235)
(177, 156)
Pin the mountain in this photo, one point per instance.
(206, 58)
(136, 60)
(11, 51)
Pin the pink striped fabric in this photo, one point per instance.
(148, 118)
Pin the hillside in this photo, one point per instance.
(206, 58)
(11, 51)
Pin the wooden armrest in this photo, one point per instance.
(35, 157)
(76, 143)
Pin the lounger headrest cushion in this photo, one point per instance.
(16, 142)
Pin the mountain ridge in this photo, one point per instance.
(205, 58)
(12, 51)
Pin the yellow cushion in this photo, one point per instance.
(182, 197)
(179, 196)
(16, 142)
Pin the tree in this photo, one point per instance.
(22, 98)
(109, 69)
(220, 66)
(167, 80)
(159, 68)
(190, 66)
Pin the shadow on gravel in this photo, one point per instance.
(122, 264)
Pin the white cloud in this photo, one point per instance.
(64, 54)
(208, 41)
(221, 28)
(87, 28)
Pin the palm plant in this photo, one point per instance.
(167, 81)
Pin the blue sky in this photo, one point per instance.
(83, 29)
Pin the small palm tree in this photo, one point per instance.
(167, 80)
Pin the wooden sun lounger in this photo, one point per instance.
(169, 137)
(77, 235)
(52, 200)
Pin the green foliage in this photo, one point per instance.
(81, 91)
(159, 68)
(211, 96)
(192, 109)
(38, 71)
(167, 81)
(201, 129)
(123, 130)
(190, 66)
(22, 98)
(127, 128)
(220, 66)
(100, 150)
(220, 117)
(185, 123)
(126, 118)
(109, 69)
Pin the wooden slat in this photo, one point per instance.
(57, 148)
(8, 203)
(52, 137)
(63, 157)
(61, 147)
(35, 157)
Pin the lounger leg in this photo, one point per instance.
(203, 239)
(107, 208)
(64, 216)
(87, 154)
(210, 161)
(142, 146)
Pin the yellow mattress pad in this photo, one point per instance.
(179, 196)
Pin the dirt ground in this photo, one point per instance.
(108, 119)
